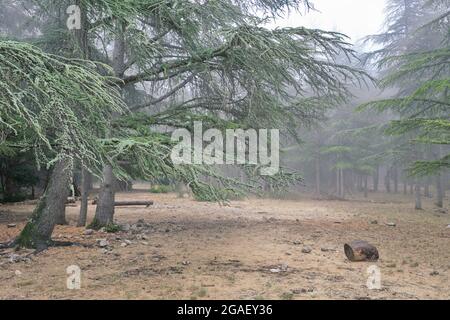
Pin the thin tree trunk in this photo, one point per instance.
(418, 196)
(318, 191)
(376, 179)
(395, 178)
(342, 184)
(85, 188)
(440, 193)
(387, 181)
(366, 191)
(38, 231)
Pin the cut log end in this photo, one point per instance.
(359, 251)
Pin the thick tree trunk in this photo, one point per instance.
(38, 231)
(104, 213)
(85, 188)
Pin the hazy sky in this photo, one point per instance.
(356, 18)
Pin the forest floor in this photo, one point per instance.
(253, 249)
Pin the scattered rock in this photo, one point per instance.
(88, 232)
(276, 270)
(374, 222)
(103, 243)
(284, 267)
(297, 242)
(300, 291)
(434, 273)
(186, 263)
(18, 273)
(414, 265)
(12, 225)
(307, 250)
(123, 245)
(128, 242)
(126, 227)
(327, 250)
(391, 224)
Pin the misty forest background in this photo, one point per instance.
(100, 103)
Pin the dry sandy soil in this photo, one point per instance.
(191, 250)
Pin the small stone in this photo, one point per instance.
(275, 270)
(297, 242)
(12, 225)
(103, 243)
(18, 273)
(284, 267)
(326, 250)
(391, 224)
(306, 250)
(128, 242)
(123, 245)
(156, 259)
(374, 222)
(448, 227)
(434, 273)
(144, 243)
(88, 232)
(126, 227)
(186, 263)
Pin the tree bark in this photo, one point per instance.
(418, 196)
(376, 179)
(104, 213)
(318, 191)
(38, 231)
(85, 188)
(366, 191)
(440, 193)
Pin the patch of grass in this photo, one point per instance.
(287, 296)
(161, 189)
(113, 228)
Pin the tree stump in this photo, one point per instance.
(361, 251)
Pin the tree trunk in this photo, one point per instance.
(366, 192)
(395, 178)
(418, 196)
(376, 179)
(104, 213)
(387, 181)
(85, 188)
(318, 191)
(440, 193)
(38, 231)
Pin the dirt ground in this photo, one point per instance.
(182, 249)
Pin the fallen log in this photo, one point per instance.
(357, 251)
(130, 203)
